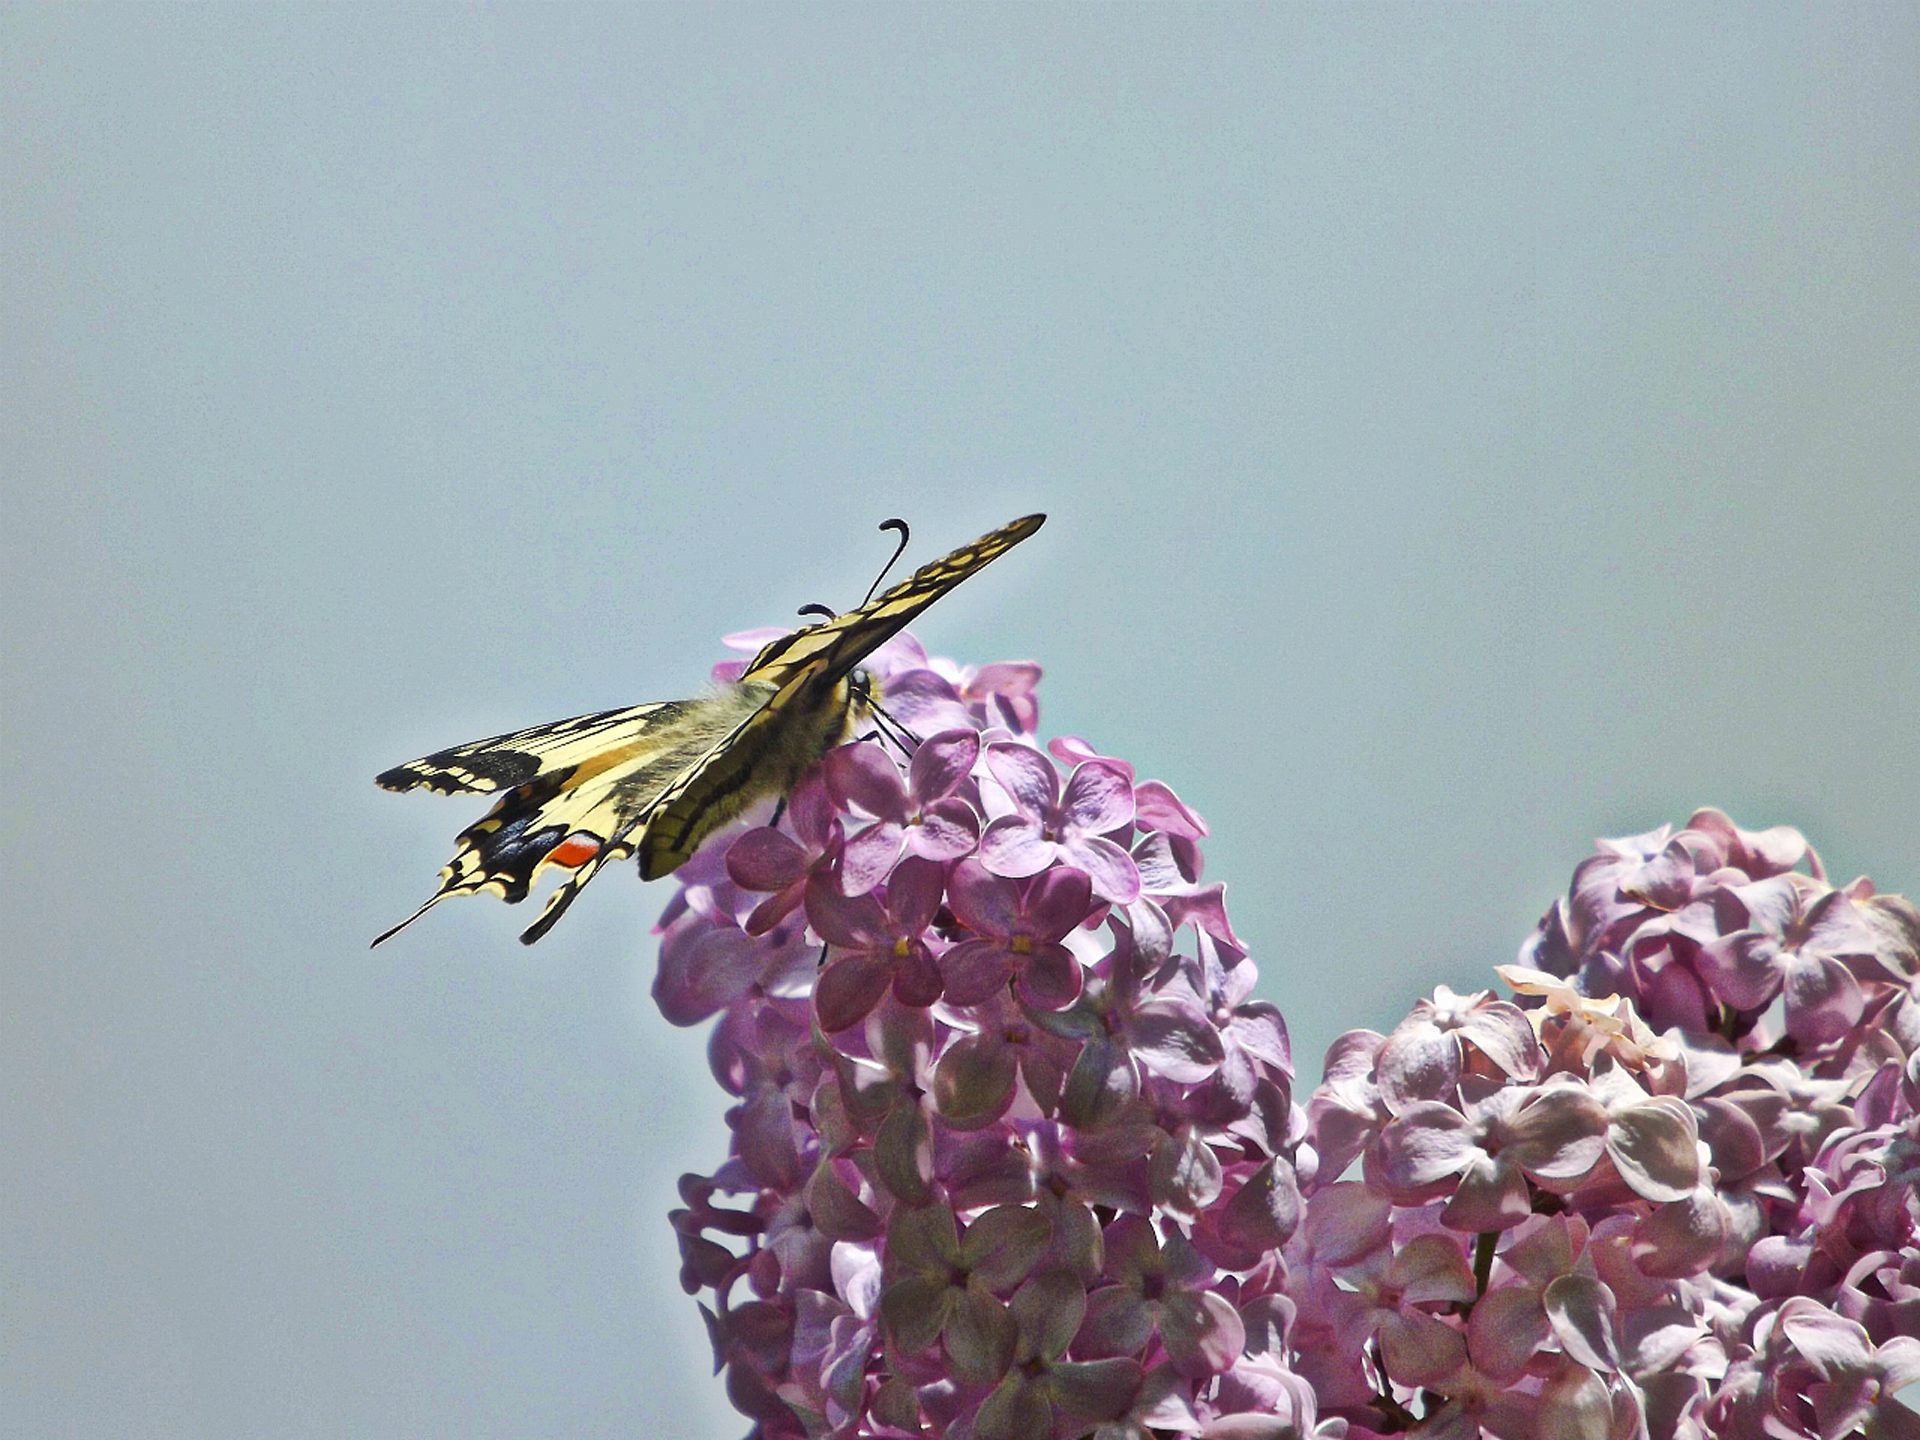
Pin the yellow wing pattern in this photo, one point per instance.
(659, 778)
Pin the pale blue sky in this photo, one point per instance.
(1466, 430)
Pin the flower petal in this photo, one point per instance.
(864, 776)
(1012, 846)
(1098, 798)
(1028, 777)
(941, 763)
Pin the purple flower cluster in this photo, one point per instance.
(1016, 1154)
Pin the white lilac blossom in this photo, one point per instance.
(1016, 1154)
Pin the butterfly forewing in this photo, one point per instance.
(660, 778)
(513, 759)
(833, 648)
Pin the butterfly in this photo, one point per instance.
(659, 779)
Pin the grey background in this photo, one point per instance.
(1466, 430)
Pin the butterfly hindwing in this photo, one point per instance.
(596, 775)
(660, 778)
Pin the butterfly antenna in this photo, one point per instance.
(826, 613)
(900, 526)
(891, 727)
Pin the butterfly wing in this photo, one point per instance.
(660, 778)
(831, 650)
(811, 706)
(575, 790)
(503, 761)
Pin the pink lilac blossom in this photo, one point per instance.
(1017, 1154)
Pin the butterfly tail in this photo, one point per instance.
(432, 901)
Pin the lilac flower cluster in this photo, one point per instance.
(1016, 1154)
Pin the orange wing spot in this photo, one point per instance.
(576, 849)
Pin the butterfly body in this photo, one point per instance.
(657, 779)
